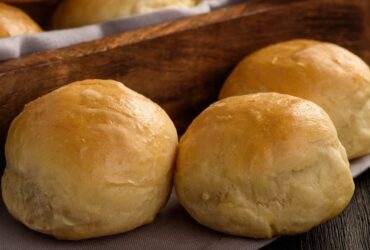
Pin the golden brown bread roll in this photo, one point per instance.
(324, 73)
(90, 159)
(75, 13)
(14, 22)
(262, 165)
(26, 1)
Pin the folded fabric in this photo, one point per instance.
(18, 46)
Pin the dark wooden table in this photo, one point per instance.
(350, 230)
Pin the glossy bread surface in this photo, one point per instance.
(324, 73)
(90, 159)
(262, 165)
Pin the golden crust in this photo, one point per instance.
(262, 165)
(14, 22)
(75, 13)
(324, 73)
(90, 159)
(25, 1)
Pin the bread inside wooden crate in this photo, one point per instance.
(181, 65)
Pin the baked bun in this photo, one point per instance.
(26, 1)
(324, 73)
(75, 13)
(14, 22)
(262, 165)
(90, 159)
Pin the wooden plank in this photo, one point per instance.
(350, 230)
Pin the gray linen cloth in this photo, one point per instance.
(172, 229)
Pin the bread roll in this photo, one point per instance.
(262, 165)
(25, 1)
(324, 73)
(74, 13)
(14, 22)
(90, 159)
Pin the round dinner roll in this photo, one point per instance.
(25, 1)
(75, 13)
(14, 22)
(324, 73)
(90, 159)
(262, 165)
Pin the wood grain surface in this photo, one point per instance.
(350, 230)
(181, 65)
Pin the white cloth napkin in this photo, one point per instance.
(14, 47)
(360, 165)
